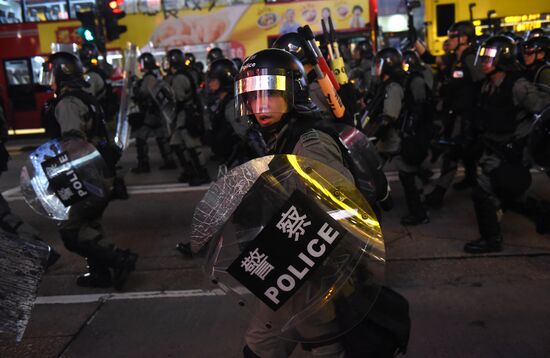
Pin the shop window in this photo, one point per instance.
(80, 5)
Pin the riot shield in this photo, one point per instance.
(64, 177)
(164, 98)
(22, 263)
(127, 107)
(295, 243)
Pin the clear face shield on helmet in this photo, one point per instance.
(45, 77)
(486, 56)
(264, 91)
(377, 67)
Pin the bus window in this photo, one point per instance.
(10, 12)
(80, 5)
(445, 17)
(17, 72)
(46, 10)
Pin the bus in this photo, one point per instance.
(488, 16)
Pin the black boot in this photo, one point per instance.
(484, 246)
(120, 191)
(52, 257)
(98, 275)
(434, 199)
(122, 264)
(142, 157)
(185, 249)
(417, 215)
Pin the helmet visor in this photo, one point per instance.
(378, 67)
(486, 56)
(45, 77)
(263, 91)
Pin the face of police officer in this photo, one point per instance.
(274, 106)
(530, 56)
(213, 85)
(487, 67)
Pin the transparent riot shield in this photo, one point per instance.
(127, 107)
(22, 263)
(64, 177)
(164, 98)
(295, 243)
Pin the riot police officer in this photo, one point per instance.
(78, 114)
(190, 64)
(415, 132)
(295, 44)
(459, 93)
(214, 54)
(153, 123)
(189, 123)
(277, 108)
(506, 103)
(228, 133)
(362, 56)
(536, 54)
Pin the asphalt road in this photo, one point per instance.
(461, 305)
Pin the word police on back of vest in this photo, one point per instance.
(64, 180)
(287, 251)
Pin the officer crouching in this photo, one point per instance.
(79, 115)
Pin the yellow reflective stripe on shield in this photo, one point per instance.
(260, 83)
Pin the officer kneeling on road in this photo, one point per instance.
(79, 115)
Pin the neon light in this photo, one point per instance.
(26, 131)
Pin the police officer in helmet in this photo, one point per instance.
(281, 109)
(189, 124)
(153, 124)
(459, 96)
(214, 54)
(536, 54)
(506, 104)
(78, 114)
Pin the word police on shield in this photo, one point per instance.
(64, 180)
(286, 252)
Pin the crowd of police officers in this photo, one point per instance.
(483, 103)
(476, 105)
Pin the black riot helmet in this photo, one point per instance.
(535, 33)
(88, 54)
(214, 54)
(147, 62)
(364, 47)
(294, 43)
(175, 59)
(65, 68)
(411, 61)
(189, 59)
(538, 143)
(499, 51)
(223, 70)
(266, 75)
(536, 45)
(387, 62)
(462, 28)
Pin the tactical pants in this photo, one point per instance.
(13, 223)
(487, 204)
(83, 234)
(265, 341)
(455, 129)
(408, 177)
(160, 134)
